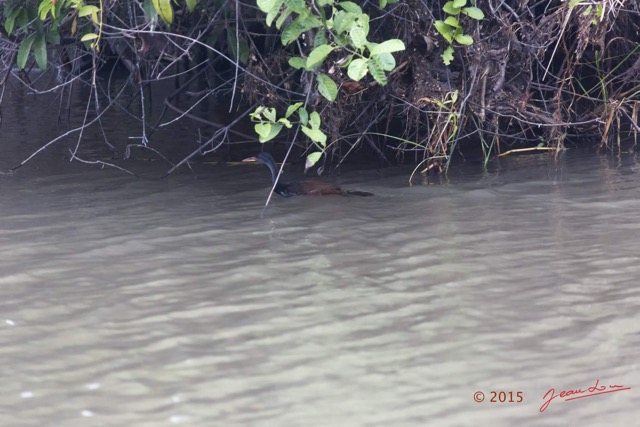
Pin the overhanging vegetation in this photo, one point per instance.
(411, 79)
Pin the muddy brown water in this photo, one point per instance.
(146, 302)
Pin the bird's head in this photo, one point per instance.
(264, 158)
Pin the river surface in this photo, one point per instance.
(144, 302)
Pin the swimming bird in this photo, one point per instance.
(301, 188)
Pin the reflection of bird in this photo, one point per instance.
(301, 188)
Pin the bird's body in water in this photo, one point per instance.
(301, 188)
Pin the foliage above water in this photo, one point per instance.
(409, 79)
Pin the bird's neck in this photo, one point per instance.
(274, 171)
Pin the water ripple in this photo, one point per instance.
(142, 303)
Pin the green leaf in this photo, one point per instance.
(243, 44)
(377, 72)
(24, 49)
(150, 13)
(343, 39)
(452, 21)
(266, 5)
(269, 114)
(257, 114)
(351, 7)
(44, 9)
(304, 116)
(382, 4)
(316, 135)
(363, 21)
(285, 122)
(473, 12)
(53, 37)
(358, 37)
(299, 25)
(393, 45)
(89, 36)
(342, 21)
(58, 7)
(445, 30)
(23, 18)
(191, 4)
(464, 39)
(357, 69)
(283, 17)
(88, 10)
(297, 6)
(447, 55)
(244, 51)
(318, 55)
(33, 20)
(10, 23)
(314, 120)
(297, 62)
(573, 3)
(312, 159)
(327, 87)
(324, 2)
(451, 9)
(270, 17)
(319, 39)
(40, 51)
(459, 3)
(386, 61)
(267, 131)
(292, 109)
(164, 9)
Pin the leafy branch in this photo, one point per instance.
(451, 29)
(337, 27)
(268, 126)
